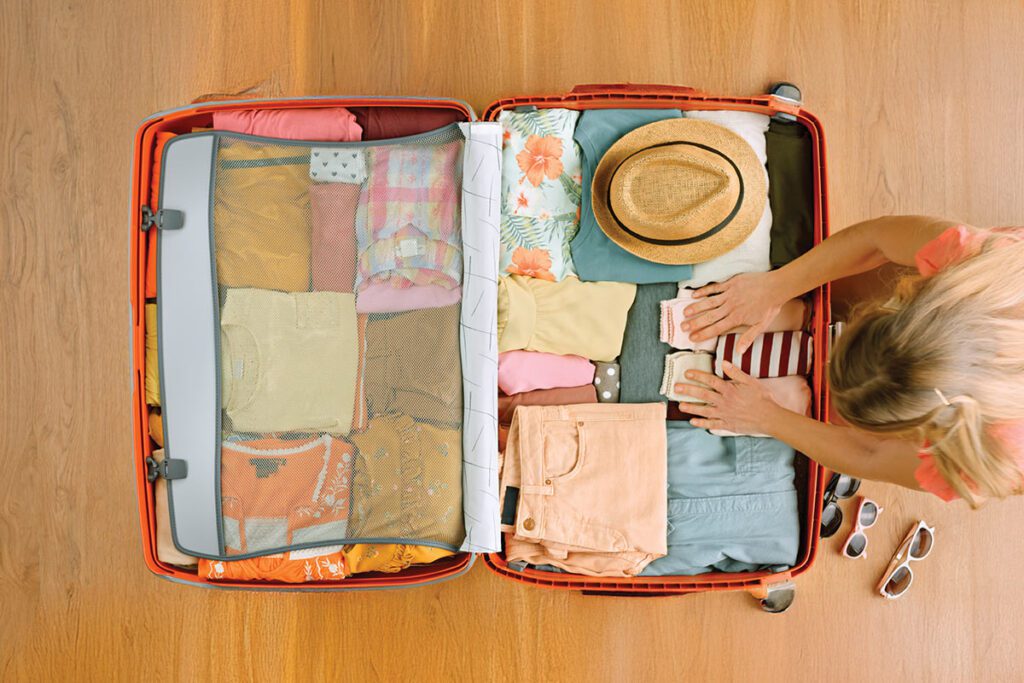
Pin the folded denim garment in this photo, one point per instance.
(583, 487)
(568, 396)
(732, 504)
(643, 356)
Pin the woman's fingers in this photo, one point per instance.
(749, 336)
(708, 290)
(701, 409)
(734, 373)
(704, 320)
(713, 381)
(727, 323)
(706, 424)
(697, 392)
(701, 306)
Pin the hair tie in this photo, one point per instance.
(942, 397)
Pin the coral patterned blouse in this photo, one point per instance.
(954, 245)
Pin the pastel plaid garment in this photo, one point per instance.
(776, 354)
(407, 223)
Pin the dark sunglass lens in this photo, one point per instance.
(898, 582)
(856, 545)
(846, 486)
(831, 520)
(922, 544)
(868, 514)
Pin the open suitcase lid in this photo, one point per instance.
(189, 362)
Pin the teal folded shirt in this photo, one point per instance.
(595, 256)
(732, 504)
(642, 360)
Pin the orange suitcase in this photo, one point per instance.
(145, 205)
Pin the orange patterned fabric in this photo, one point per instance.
(391, 558)
(154, 189)
(277, 492)
(298, 566)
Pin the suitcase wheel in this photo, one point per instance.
(778, 599)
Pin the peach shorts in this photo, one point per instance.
(584, 487)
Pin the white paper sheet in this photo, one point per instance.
(481, 205)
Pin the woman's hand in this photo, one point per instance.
(742, 405)
(748, 299)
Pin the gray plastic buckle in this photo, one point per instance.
(164, 219)
(169, 468)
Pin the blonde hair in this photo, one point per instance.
(960, 332)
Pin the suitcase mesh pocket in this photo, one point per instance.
(339, 269)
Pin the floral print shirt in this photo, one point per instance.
(541, 188)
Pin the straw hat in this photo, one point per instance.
(679, 191)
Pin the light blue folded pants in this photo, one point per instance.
(732, 504)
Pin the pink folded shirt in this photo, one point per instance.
(335, 124)
(672, 320)
(333, 207)
(790, 317)
(521, 371)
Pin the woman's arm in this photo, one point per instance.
(857, 249)
(745, 406)
(754, 298)
(848, 450)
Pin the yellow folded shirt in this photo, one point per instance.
(261, 215)
(568, 317)
(389, 558)
(152, 359)
(289, 361)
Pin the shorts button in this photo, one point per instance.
(547, 482)
(529, 524)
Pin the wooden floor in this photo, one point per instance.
(922, 102)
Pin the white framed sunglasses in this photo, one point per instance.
(916, 545)
(856, 545)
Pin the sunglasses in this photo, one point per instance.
(916, 545)
(856, 545)
(840, 487)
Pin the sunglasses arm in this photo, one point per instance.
(897, 559)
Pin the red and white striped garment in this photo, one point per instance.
(776, 354)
